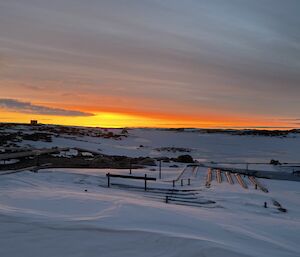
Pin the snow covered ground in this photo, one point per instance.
(202, 146)
(71, 212)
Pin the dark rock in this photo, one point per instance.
(275, 162)
(147, 162)
(163, 159)
(276, 203)
(185, 159)
(124, 131)
(104, 161)
(282, 209)
(173, 149)
(45, 137)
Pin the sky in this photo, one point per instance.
(151, 63)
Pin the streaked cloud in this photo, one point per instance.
(237, 58)
(27, 107)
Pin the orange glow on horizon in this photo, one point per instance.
(118, 119)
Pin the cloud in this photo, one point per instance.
(239, 55)
(292, 119)
(27, 107)
(34, 88)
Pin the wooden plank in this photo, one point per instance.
(219, 176)
(130, 177)
(240, 180)
(209, 177)
(229, 178)
(255, 182)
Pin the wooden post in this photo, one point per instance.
(130, 167)
(189, 181)
(173, 183)
(167, 199)
(159, 169)
(108, 179)
(265, 204)
(181, 182)
(37, 161)
(145, 182)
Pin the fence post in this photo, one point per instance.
(173, 183)
(159, 169)
(167, 199)
(181, 182)
(189, 181)
(130, 167)
(145, 182)
(108, 179)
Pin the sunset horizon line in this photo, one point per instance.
(269, 128)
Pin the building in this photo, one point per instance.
(33, 122)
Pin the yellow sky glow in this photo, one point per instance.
(116, 120)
